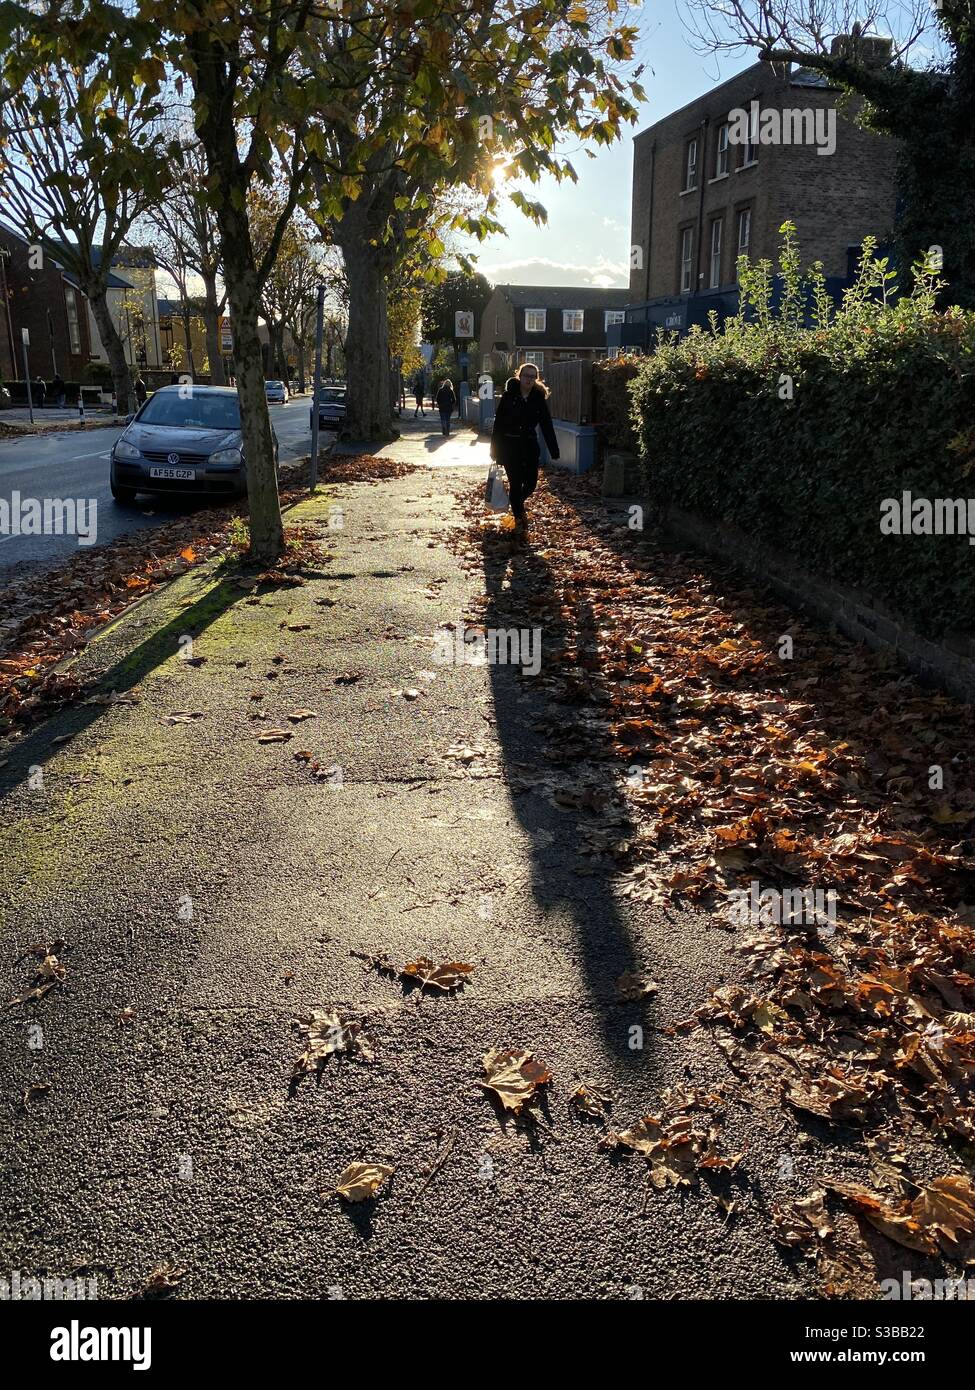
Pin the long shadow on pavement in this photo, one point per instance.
(563, 876)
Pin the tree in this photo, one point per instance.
(290, 290)
(82, 154)
(458, 290)
(441, 102)
(930, 109)
(183, 233)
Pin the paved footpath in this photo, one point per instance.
(211, 891)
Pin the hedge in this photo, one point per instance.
(796, 435)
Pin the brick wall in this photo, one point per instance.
(835, 200)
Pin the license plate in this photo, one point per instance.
(182, 474)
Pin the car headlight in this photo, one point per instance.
(125, 450)
(226, 458)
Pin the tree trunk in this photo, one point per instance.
(267, 531)
(368, 416)
(211, 322)
(109, 334)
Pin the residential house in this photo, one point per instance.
(545, 324)
(134, 307)
(716, 180)
(37, 293)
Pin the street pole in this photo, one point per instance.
(25, 342)
(316, 388)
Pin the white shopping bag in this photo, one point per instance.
(495, 492)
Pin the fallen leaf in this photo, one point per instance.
(361, 1181)
(514, 1075)
(446, 976)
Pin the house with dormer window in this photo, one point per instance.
(543, 324)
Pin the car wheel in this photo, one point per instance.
(125, 496)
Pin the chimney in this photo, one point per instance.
(870, 50)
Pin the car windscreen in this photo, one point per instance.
(197, 410)
(275, 384)
(333, 396)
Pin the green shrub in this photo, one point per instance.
(611, 404)
(796, 435)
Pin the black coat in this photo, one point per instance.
(446, 400)
(516, 418)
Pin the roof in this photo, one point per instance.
(130, 256)
(136, 257)
(805, 77)
(114, 282)
(564, 296)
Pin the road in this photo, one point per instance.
(76, 465)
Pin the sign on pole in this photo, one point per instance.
(464, 323)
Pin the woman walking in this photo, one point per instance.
(514, 441)
(446, 403)
(418, 392)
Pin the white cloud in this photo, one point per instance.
(540, 270)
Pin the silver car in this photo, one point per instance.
(183, 439)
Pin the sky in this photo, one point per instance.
(587, 238)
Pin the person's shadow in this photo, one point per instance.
(563, 779)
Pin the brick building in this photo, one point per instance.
(40, 295)
(717, 179)
(545, 324)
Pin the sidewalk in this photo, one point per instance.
(211, 891)
(17, 419)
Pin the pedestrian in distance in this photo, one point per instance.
(58, 390)
(40, 393)
(446, 403)
(139, 387)
(520, 413)
(418, 390)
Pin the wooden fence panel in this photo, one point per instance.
(570, 384)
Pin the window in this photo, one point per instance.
(614, 316)
(716, 227)
(686, 244)
(744, 230)
(721, 159)
(572, 320)
(690, 180)
(749, 153)
(534, 320)
(498, 325)
(486, 362)
(535, 359)
(74, 328)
